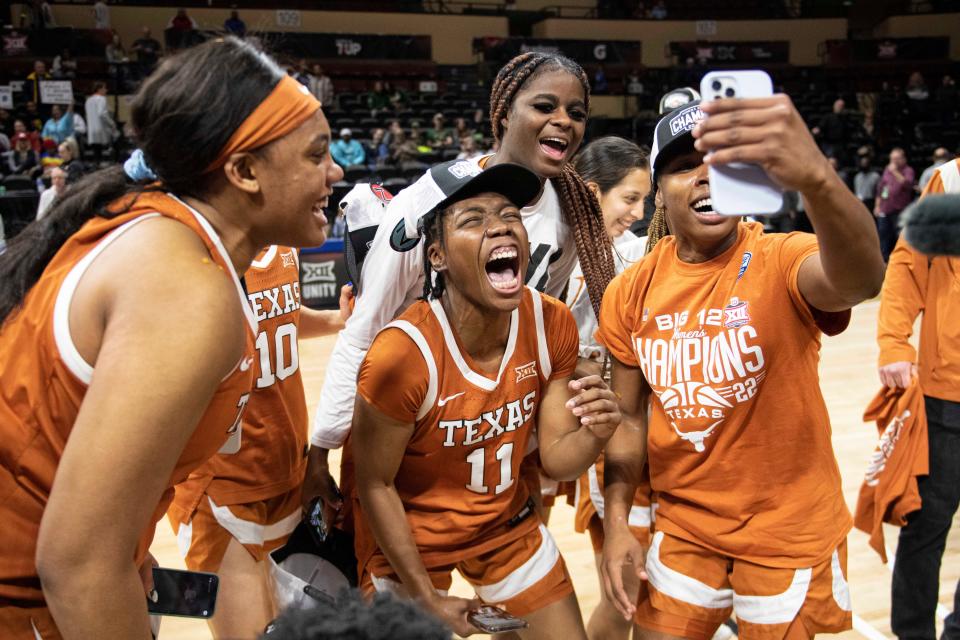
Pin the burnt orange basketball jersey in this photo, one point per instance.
(271, 458)
(43, 380)
(459, 477)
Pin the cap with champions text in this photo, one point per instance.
(673, 136)
(450, 182)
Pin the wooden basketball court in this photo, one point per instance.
(849, 381)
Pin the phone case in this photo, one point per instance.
(494, 620)
(188, 594)
(739, 188)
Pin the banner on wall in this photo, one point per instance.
(501, 50)
(886, 50)
(769, 51)
(349, 46)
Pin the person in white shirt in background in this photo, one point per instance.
(101, 129)
(101, 15)
(58, 180)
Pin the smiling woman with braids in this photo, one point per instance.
(538, 110)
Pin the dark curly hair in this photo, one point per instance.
(350, 618)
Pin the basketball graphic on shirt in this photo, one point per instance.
(697, 406)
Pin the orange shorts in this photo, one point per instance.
(590, 504)
(698, 589)
(522, 576)
(204, 529)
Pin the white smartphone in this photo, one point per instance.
(739, 188)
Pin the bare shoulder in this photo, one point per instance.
(160, 280)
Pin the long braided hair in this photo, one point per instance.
(581, 210)
(658, 228)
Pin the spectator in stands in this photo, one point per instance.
(23, 160)
(416, 135)
(70, 160)
(831, 132)
(64, 66)
(47, 19)
(58, 183)
(20, 126)
(403, 149)
(235, 25)
(439, 135)
(31, 115)
(60, 125)
(101, 15)
(49, 157)
(321, 86)
(148, 50)
(468, 149)
(32, 86)
(398, 97)
(940, 156)
(300, 73)
(865, 182)
(117, 59)
(378, 100)
(378, 153)
(101, 129)
(659, 10)
(346, 151)
(916, 88)
(5, 146)
(461, 130)
(181, 22)
(894, 193)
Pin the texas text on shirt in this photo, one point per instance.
(253, 494)
(458, 478)
(392, 280)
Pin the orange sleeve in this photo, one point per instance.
(563, 341)
(935, 185)
(393, 377)
(616, 319)
(793, 251)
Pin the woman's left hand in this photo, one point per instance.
(595, 405)
(764, 131)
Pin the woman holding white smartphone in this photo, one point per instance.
(722, 323)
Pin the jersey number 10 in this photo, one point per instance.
(283, 370)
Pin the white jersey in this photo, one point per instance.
(627, 249)
(393, 280)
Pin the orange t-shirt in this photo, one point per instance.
(272, 455)
(889, 491)
(458, 478)
(42, 384)
(739, 438)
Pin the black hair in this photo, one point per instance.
(606, 161)
(182, 116)
(350, 618)
(581, 210)
(431, 228)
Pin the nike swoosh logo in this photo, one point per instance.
(244, 365)
(444, 401)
